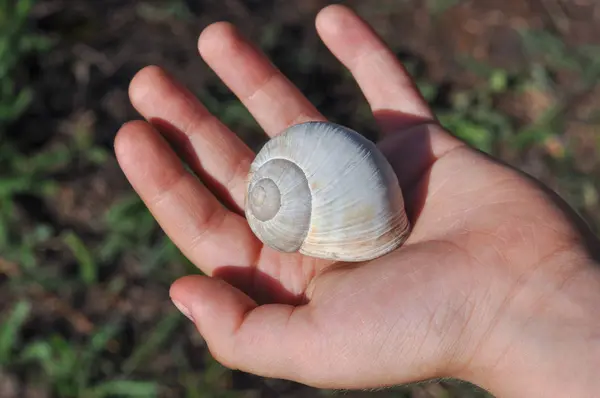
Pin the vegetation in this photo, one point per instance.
(85, 269)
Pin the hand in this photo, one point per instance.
(494, 270)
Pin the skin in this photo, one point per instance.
(495, 285)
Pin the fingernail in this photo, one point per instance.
(183, 309)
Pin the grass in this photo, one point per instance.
(54, 338)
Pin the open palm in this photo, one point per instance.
(425, 310)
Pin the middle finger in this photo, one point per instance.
(270, 97)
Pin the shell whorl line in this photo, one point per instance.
(280, 199)
(265, 199)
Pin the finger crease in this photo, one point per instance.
(197, 124)
(212, 222)
(168, 189)
(272, 76)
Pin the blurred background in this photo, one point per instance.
(84, 268)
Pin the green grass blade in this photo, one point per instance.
(11, 186)
(23, 8)
(89, 357)
(153, 342)
(88, 269)
(124, 388)
(39, 351)
(9, 331)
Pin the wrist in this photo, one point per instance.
(545, 339)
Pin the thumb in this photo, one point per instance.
(272, 340)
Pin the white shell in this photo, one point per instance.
(325, 191)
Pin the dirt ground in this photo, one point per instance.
(81, 86)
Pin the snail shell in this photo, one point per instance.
(325, 191)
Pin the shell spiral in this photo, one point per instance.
(325, 191)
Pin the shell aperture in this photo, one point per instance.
(325, 191)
